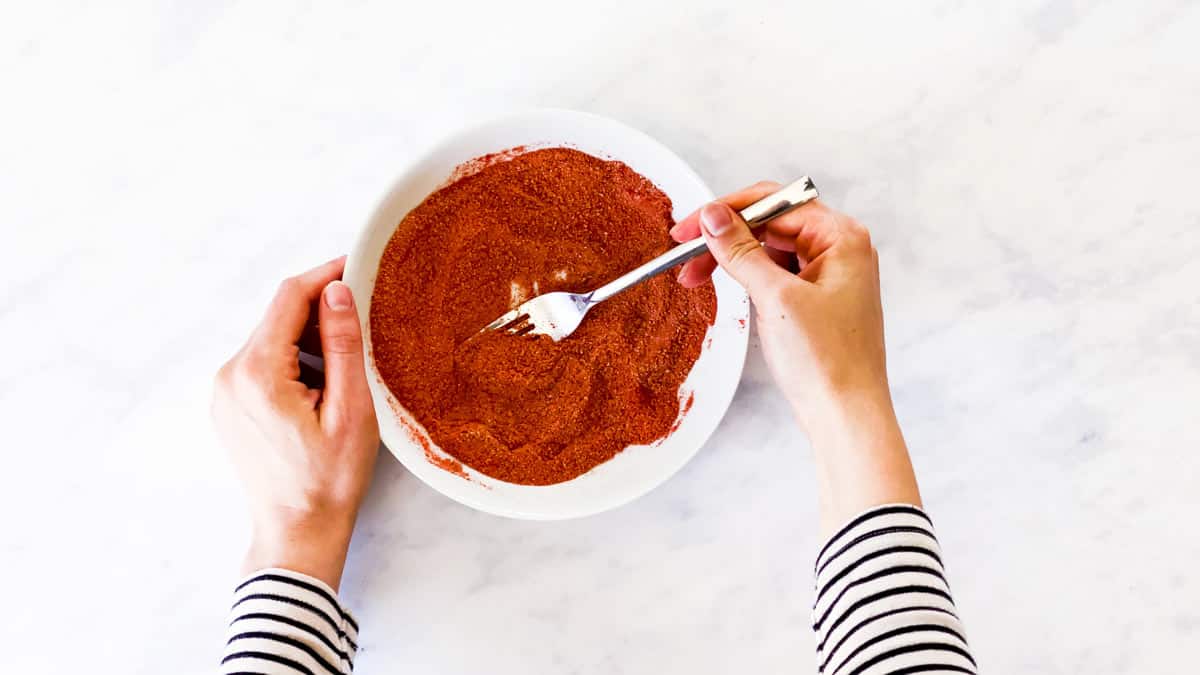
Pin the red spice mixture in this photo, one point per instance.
(529, 410)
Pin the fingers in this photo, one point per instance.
(698, 270)
(809, 231)
(689, 228)
(737, 250)
(346, 394)
(288, 313)
(813, 229)
(785, 259)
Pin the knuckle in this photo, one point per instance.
(342, 343)
(223, 377)
(767, 185)
(341, 426)
(241, 381)
(288, 286)
(220, 390)
(740, 250)
(246, 375)
(858, 237)
(865, 235)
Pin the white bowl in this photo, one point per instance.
(712, 380)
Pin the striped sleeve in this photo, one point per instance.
(287, 622)
(883, 604)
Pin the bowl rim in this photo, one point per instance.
(403, 177)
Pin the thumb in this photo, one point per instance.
(346, 391)
(737, 250)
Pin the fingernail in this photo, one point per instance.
(337, 295)
(715, 218)
(679, 275)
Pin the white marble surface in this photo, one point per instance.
(1030, 176)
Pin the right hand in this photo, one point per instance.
(822, 336)
(821, 329)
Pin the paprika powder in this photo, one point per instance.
(508, 227)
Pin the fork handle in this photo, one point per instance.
(757, 214)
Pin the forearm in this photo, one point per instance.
(860, 455)
(883, 603)
(311, 544)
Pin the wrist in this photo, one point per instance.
(315, 544)
(859, 454)
(831, 414)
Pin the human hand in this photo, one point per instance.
(305, 454)
(821, 332)
(821, 329)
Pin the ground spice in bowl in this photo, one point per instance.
(516, 225)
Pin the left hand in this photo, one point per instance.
(305, 454)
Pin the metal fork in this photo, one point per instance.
(558, 314)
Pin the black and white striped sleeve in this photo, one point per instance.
(883, 604)
(287, 622)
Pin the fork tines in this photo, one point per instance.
(514, 321)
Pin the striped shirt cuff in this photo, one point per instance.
(286, 622)
(883, 604)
